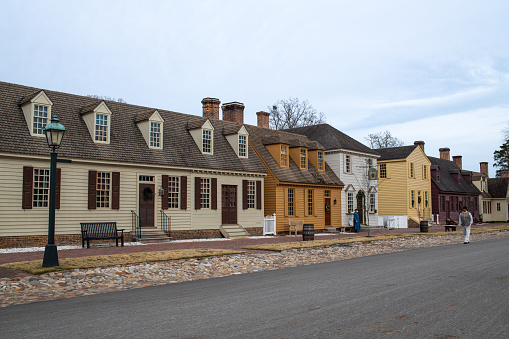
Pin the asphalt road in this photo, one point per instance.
(457, 291)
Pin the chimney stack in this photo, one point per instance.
(504, 174)
(445, 153)
(234, 112)
(263, 119)
(419, 143)
(211, 108)
(457, 160)
(484, 168)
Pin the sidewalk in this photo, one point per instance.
(219, 244)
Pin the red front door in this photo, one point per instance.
(327, 212)
(229, 205)
(146, 205)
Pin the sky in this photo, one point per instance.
(436, 71)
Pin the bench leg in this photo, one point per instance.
(88, 243)
(116, 241)
(122, 240)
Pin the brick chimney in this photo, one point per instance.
(484, 168)
(263, 119)
(419, 143)
(445, 153)
(234, 112)
(211, 108)
(504, 174)
(457, 160)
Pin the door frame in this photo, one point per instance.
(236, 203)
(140, 194)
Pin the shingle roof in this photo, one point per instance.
(497, 187)
(393, 153)
(259, 136)
(127, 144)
(331, 138)
(449, 184)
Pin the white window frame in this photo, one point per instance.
(155, 134)
(173, 192)
(349, 200)
(103, 190)
(242, 146)
(303, 158)
(291, 202)
(372, 202)
(101, 130)
(251, 194)
(207, 136)
(320, 161)
(40, 189)
(310, 202)
(284, 156)
(40, 119)
(348, 163)
(205, 193)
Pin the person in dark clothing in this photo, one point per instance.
(356, 221)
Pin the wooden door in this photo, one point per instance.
(360, 208)
(146, 205)
(327, 212)
(229, 204)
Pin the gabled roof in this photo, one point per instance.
(293, 173)
(447, 183)
(393, 153)
(331, 138)
(497, 187)
(127, 144)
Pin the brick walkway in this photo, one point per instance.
(230, 244)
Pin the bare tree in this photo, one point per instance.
(383, 140)
(106, 98)
(292, 113)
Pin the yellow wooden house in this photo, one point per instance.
(299, 184)
(404, 186)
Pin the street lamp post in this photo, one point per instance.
(54, 134)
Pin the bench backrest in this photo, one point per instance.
(99, 228)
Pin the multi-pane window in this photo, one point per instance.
(205, 192)
(101, 127)
(412, 198)
(284, 150)
(40, 119)
(348, 164)
(498, 207)
(442, 202)
(291, 197)
(303, 157)
(242, 145)
(412, 170)
(207, 141)
(383, 171)
(310, 202)
(173, 192)
(326, 194)
(40, 188)
(103, 189)
(425, 172)
(426, 201)
(155, 134)
(251, 194)
(320, 161)
(372, 203)
(350, 201)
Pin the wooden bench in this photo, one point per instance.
(296, 225)
(449, 228)
(100, 231)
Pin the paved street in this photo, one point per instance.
(456, 290)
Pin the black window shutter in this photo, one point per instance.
(92, 189)
(244, 194)
(258, 195)
(28, 182)
(197, 193)
(115, 194)
(213, 192)
(164, 198)
(183, 193)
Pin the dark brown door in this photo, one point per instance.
(146, 205)
(229, 204)
(448, 209)
(360, 208)
(327, 212)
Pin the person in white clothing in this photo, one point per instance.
(466, 220)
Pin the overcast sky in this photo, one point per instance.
(436, 71)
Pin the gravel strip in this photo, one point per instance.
(79, 282)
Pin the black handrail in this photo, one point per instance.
(135, 225)
(165, 223)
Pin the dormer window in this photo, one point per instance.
(284, 156)
(303, 158)
(207, 141)
(320, 161)
(150, 124)
(97, 117)
(101, 128)
(242, 145)
(37, 111)
(155, 134)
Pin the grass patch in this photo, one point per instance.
(35, 266)
(279, 247)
